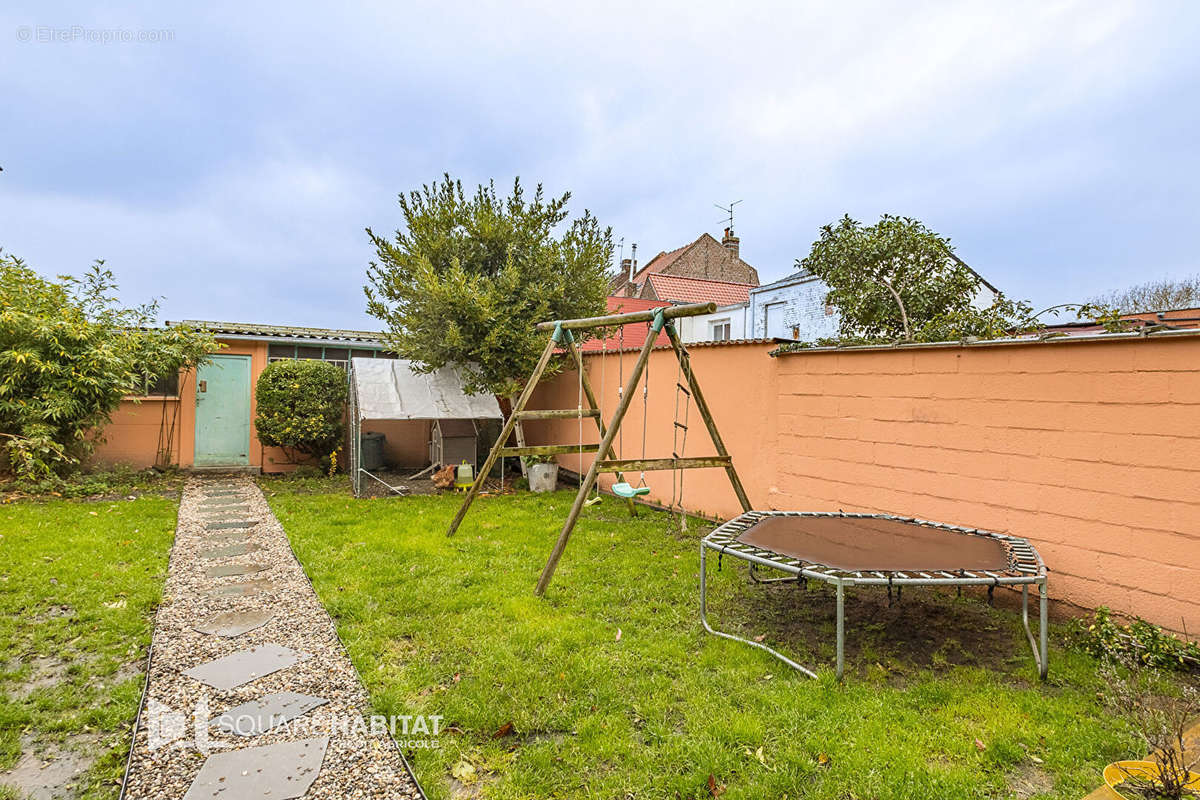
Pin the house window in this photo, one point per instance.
(166, 386)
(718, 330)
(829, 309)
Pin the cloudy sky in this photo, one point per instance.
(229, 159)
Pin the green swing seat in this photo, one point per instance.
(625, 490)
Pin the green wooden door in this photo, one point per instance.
(223, 412)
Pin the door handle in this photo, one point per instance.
(204, 386)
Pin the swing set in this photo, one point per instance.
(687, 390)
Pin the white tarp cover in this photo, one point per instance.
(389, 389)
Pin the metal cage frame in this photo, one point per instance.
(1025, 568)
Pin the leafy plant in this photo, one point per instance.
(301, 407)
(467, 278)
(1138, 641)
(69, 353)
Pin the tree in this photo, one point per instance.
(69, 353)
(892, 279)
(466, 279)
(1160, 295)
(301, 407)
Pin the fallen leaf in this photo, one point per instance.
(760, 637)
(618, 634)
(464, 772)
(823, 759)
(715, 789)
(980, 745)
(505, 730)
(1036, 760)
(457, 677)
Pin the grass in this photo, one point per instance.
(78, 587)
(612, 689)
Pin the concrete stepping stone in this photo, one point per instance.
(230, 550)
(235, 623)
(243, 588)
(229, 570)
(231, 671)
(267, 712)
(276, 772)
(224, 526)
(226, 538)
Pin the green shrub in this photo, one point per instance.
(69, 352)
(1139, 642)
(301, 407)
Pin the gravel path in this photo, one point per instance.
(170, 746)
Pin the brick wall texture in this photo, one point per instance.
(1089, 449)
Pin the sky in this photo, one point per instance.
(228, 158)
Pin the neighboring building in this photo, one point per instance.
(632, 335)
(205, 418)
(704, 259)
(1175, 319)
(790, 308)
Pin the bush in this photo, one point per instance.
(301, 408)
(68, 354)
(1139, 642)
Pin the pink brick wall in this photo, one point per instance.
(1090, 449)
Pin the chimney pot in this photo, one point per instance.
(731, 243)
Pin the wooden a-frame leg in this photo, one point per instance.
(505, 432)
(702, 407)
(605, 446)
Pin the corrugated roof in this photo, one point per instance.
(679, 289)
(283, 332)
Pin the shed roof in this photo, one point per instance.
(283, 332)
(391, 389)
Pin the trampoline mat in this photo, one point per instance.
(862, 544)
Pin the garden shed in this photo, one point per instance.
(391, 391)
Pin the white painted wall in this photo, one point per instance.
(700, 328)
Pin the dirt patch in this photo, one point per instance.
(1029, 780)
(927, 628)
(45, 672)
(49, 774)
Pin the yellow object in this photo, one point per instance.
(1116, 773)
(464, 477)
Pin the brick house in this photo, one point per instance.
(705, 259)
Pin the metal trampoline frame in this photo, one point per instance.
(1025, 569)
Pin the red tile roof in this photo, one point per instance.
(632, 335)
(679, 289)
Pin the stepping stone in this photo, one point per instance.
(225, 538)
(232, 512)
(277, 771)
(223, 526)
(231, 550)
(242, 589)
(244, 666)
(235, 623)
(229, 570)
(224, 500)
(267, 712)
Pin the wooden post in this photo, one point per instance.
(593, 403)
(702, 406)
(505, 432)
(605, 446)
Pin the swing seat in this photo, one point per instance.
(625, 490)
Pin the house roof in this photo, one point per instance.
(679, 289)
(627, 336)
(284, 332)
(665, 260)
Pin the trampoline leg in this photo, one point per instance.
(1039, 645)
(722, 634)
(841, 629)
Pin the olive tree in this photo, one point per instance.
(467, 277)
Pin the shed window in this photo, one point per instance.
(310, 352)
(276, 352)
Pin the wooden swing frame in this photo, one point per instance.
(660, 319)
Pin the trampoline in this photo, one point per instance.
(875, 550)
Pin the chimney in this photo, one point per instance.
(625, 267)
(633, 262)
(731, 242)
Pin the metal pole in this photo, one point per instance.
(1044, 667)
(605, 446)
(841, 628)
(506, 431)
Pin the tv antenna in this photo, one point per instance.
(728, 210)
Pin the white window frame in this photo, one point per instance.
(714, 325)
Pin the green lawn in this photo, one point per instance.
(78, 587)
(613, 690)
